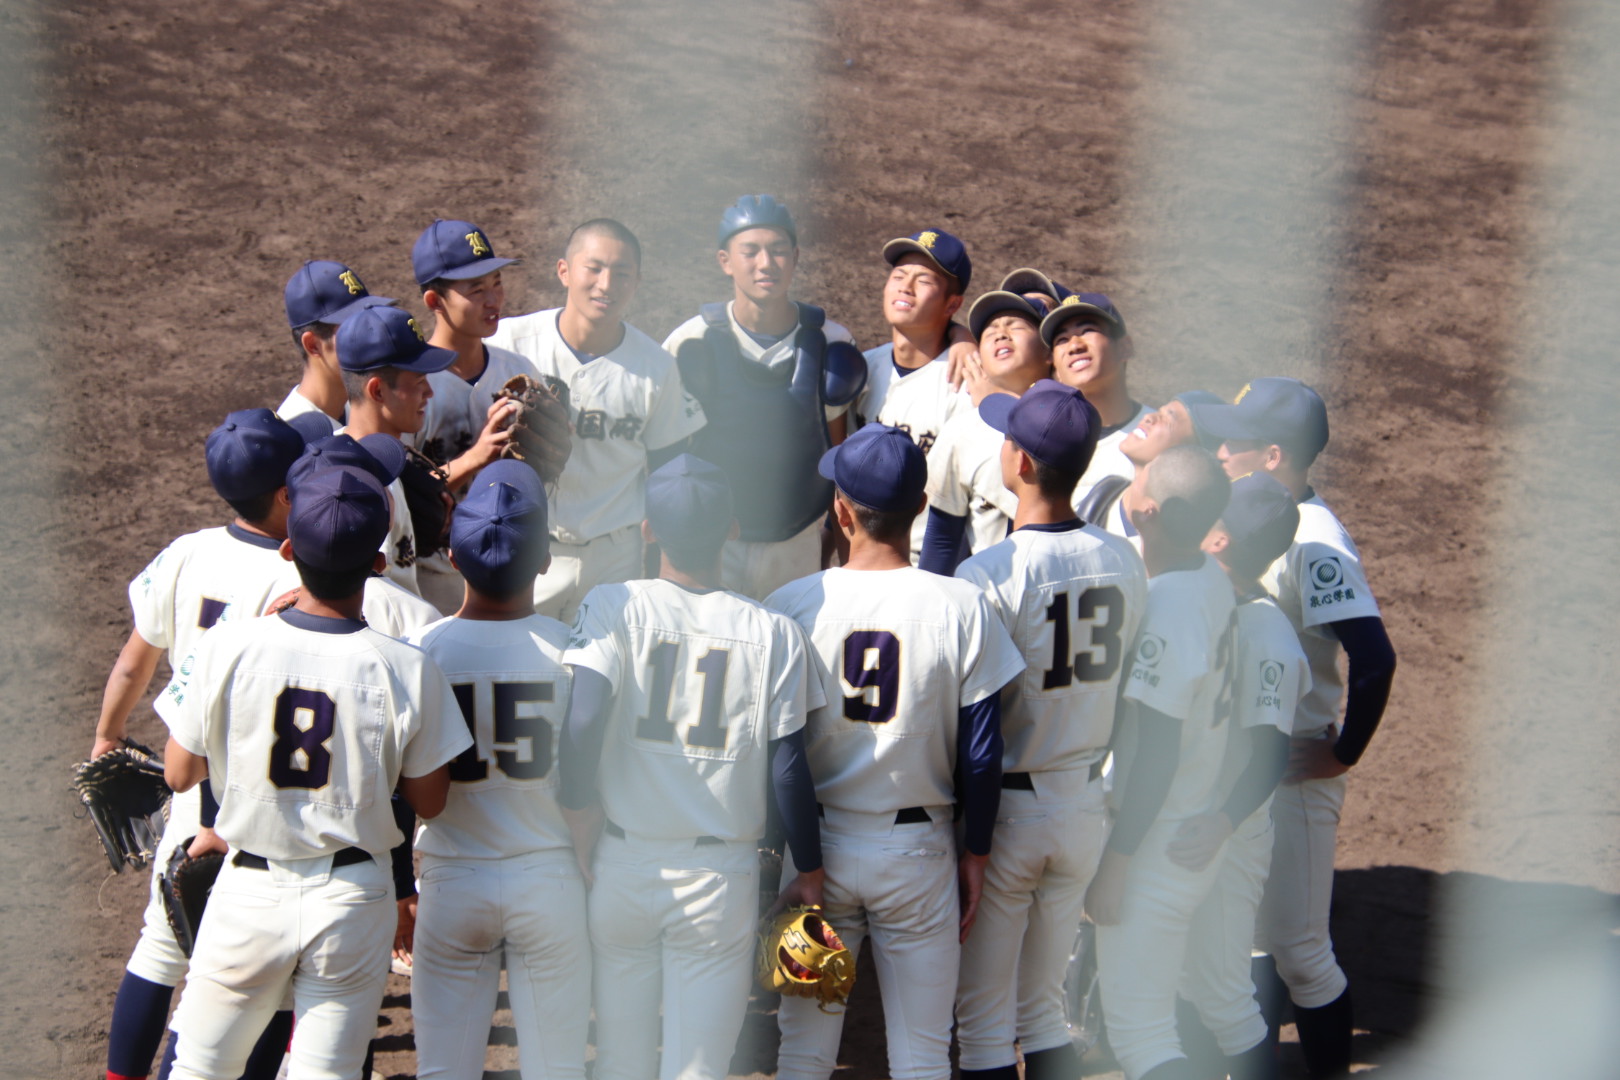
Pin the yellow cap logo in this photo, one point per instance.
(479, 245)
(348, 278)
(416, 329)
(1243, 393)
(1070, 301)
(928, 239)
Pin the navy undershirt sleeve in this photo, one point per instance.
(1268, 757)
(1372, 671)
(401, 858)
(978, 770)
(582, 737)
(210, 805)
(795, 795)
(1158, 751)
(942, 543)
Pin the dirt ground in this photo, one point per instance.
(165, 167)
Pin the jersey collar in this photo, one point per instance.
(258, 540)
(321, 624)
(1053, 526)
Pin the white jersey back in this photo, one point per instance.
(622, 405)
(217, 575)
(964, 478)
(778, 357)
(512, 689)
(1071, 598)
(901, 651)
(296, 404)
(703, 680)
(386, 607)
(1269, 676)
(307, 732)
(1320, 580)
(1108, 459)
(1182, 667)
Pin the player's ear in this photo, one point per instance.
(842, 513)
(647, 536)
(286, 547)
(723, 257)
(283, 497)
(311, 341)
(374, 389)
(432, 301)
(562, 272)
(1216, 542)
(953, 305)
(1026, 465)
(735, 530)
(1275, 457)
(544, 566)
(1144, 514)
(1124, 348)
(922, 504)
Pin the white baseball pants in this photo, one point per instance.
(1219, 977)
(1293, 925)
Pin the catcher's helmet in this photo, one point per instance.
(757, 212)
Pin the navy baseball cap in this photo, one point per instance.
(1261, 518)
(1093, 305)
(938, 247)
(1027, 279)
(878, 467)
(756, 212)
(1052, 423)
(454, 250)
(689, 502)
(383, 456)
(248, 455)
(498, 533)
(1276, 410)
(995, 303)
(1191, 398)
(388, 337)
(339, 518)
(326, 292)
(313, 425)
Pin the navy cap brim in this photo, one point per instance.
(997, 302)
(895, 250)
(1222, 422)
(473, 270)
(430, 359)
(825, 466)
(1027, 279)
(1064, 314)
(996, 410)
(355, 308)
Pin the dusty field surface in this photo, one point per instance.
(167, 166)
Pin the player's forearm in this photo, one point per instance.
(1372, 673)
(427, 794)
(131, 675)
(182, 769)
(795, 793)
(1158, 749)
(1268, 758)
(582, 736)
(979, 747)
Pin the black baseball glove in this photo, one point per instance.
(542, 436)
(184, 887)
(128, 800)
(427, 496)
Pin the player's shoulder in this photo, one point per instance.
(641, 354)
(839, 332)
(1261, 620)
(690, 330)
(797, 596)
(504, 361)
(534, 324)
(1319, 525)
(881, 354)
(424, 637)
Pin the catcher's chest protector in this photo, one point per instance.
(766, 431)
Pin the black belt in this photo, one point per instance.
(1022, 781)
(911, 815)
(613, 830)
(347, 857)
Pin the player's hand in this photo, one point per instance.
(405, 931)
(102, 746)
(497, 433)
(963, 358)
(803, 891)
(1198, 839)
(1106, 897)
(969, 888)
(585, 826)
(1312, 759)
(207, 840)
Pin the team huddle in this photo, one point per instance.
(981, 644)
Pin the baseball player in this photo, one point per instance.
(1269, 674)
(386, 362)
(1070, 595)
(775, 379)
(1170, 742)
(1034, 286)
(1112, 498)
(200, 579)
(969, 508)
(1090, 351)
(304, 722)
(629, 409)
(319, 296)
(685, 698)
(913, 665)
(498, 869)
(1279, 426)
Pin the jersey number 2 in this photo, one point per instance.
(710, 730)
(299, 758)
(1087, 666)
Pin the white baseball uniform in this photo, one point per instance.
(622, 405)
(1269, 676)
(498, 870)
(964, 479)
(296, 404)
(307, 724)
(918, 402)
(703, 681)
(902, 651)
(1071, 597)
(1181, 668)
(756, 569)
(203, 578)
(400, 545)
(1319, 580)
(1108, 459)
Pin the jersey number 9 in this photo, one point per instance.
(872, 671)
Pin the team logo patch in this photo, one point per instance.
(928, 239)
(417, 330)
(1271, 674)
(476, 241)
(1151, 649)
(1070, 301)
(351, 282)
(1326, 573)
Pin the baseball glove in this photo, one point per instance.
(427, 496)
(128, 800)
(184, 887)
(800, 955)
(541, 434)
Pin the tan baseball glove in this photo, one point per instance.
(800, 955)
